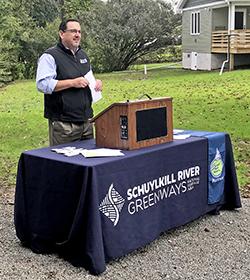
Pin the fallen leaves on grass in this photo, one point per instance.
(239, 149)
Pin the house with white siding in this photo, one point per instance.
(215, 32)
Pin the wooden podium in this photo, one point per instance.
(135, 124)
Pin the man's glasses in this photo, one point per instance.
(73, 31)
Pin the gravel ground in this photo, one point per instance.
(211, 247)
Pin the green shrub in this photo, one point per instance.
(168, 54)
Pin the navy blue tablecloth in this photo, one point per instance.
(91, 210)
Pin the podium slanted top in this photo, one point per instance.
(135, 124)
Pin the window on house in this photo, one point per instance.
(195, 23)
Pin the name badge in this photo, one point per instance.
(82, 61)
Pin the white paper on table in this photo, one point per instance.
(181, 136)
(101, 153)
(68, 151)
(96, 95)
(176, 131)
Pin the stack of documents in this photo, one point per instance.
(103, 152)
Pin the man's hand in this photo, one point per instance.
(80, 82)
(98, 85)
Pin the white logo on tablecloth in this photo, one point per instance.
(112, 204)
(141, 197)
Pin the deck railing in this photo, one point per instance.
(239, 41)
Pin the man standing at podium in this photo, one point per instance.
(67, 96)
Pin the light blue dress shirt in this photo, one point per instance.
(46, 74)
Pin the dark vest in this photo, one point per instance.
(72, 104)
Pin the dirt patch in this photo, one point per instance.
(246, 191)
(7, 192)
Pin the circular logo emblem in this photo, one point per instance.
(216, 167)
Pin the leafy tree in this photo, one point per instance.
(122, 31)
(25, 37)
(32, 46)
(8, 49)
(44, 11)
(69, 8)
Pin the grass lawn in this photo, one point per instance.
(201, 101)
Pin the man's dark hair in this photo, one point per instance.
(63, 25)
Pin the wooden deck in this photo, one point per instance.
(239, 41)
(232, 42)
